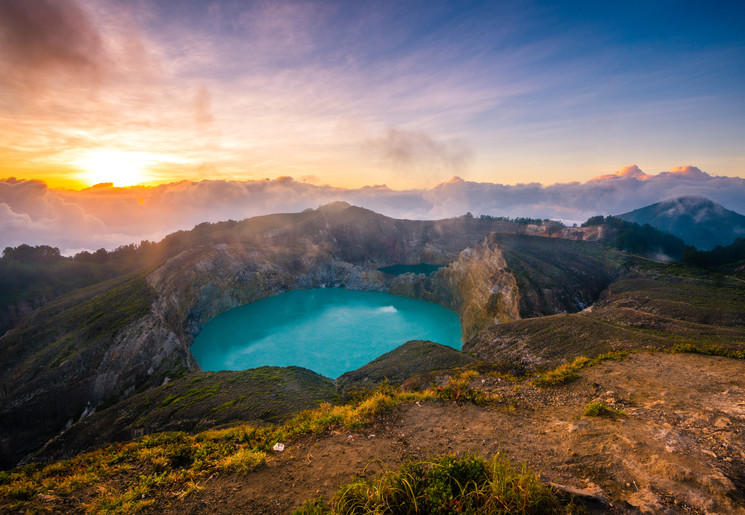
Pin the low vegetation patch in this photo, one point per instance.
(601, 409)
(128, 477)
(458, 389)
(166, 463)
(172, 464)
(569, 372)
(465, 484)
(713, 350)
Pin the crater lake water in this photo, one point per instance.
(329, 331)
(421, 268)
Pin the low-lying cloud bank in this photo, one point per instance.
(103, 216)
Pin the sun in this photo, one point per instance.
(122, 168)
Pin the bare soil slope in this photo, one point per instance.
(681, 446)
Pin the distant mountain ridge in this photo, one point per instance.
(697, 220)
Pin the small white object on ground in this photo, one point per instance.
(279, 447)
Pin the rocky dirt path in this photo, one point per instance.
(680, 449)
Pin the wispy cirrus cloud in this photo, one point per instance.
(256, 90)
(76, 77)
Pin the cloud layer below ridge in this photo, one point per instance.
(104, 216)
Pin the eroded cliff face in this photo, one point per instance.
(147, 351)
(77, 354)
(481, 288)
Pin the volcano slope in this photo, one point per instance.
(653, 307)
(98, 345)
(676, 448)
(672, 441)
(678, 445)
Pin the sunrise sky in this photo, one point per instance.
(228, 109)
(349, 94)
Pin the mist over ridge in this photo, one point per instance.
(104, 216)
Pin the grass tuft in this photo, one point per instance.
(569, 372)
(601, 409)
(243, 461)
(458, 389)
(713, 350)
(449, 484)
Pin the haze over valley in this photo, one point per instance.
(107, 217)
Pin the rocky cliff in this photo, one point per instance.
(479, 286)
(199, 284)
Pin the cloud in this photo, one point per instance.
(49, 37)
(104, 216)
(256, 89)
(203, 107)
(627, 171)
(312, 179)
(55, 51)
(689, 172)
(406, 148)
(416, 151)
(32, 213)
(80, 76)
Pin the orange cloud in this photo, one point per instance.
(689, 172)
(627, 171)
(85, 83)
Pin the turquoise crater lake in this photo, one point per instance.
(329, 331)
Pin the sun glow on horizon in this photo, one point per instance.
(122, 168)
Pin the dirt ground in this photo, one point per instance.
(680, 449)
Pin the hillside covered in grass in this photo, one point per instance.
(478, 439)
(651, 307)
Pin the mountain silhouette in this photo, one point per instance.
(697, 220)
